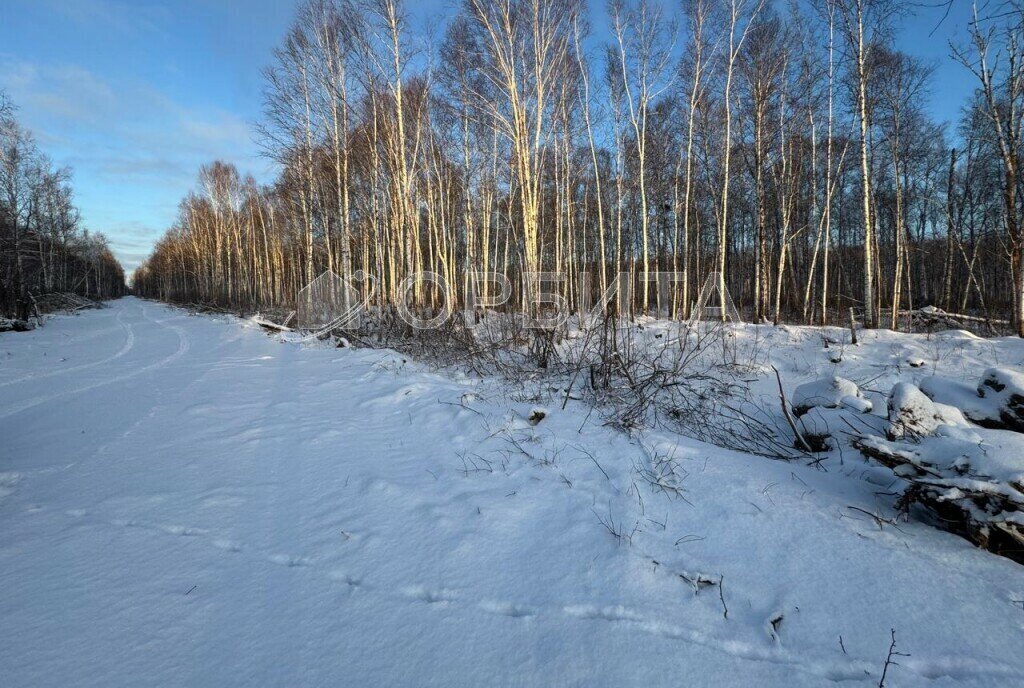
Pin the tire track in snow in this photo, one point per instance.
(128, 345)
(183, 347)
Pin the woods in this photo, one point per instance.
(786, 148)
(43, 246)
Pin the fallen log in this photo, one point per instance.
(938, 314)
(272, 326)
(991, 520)
(986, 512)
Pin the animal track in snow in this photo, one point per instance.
(608, 613)
(348, 579)
(228, 501)
(228, 545)
(291, 561)
(516, 611)
(7, 482)
(170, 529)
(184, 531)
(418, 592)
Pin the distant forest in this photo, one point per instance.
(43, 246)
(785, 147)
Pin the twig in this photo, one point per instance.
(721, 596)
(888, 659)
(461, 405)
(878, 519)
(789, 418)
(591, 457)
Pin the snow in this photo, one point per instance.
(829, 393)
(997, 400)
(189, 501)
(962, 396)
(912, 413)
(1005, 389)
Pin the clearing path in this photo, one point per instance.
(187, 501)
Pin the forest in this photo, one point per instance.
(786, 148)
(44, 249)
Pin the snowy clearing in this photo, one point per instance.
(188, 501)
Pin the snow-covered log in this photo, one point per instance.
(911, 413)
(969, 491)
(988, 514)
(829, 392)
(1005, 390)
(269, 325)
(937, 314)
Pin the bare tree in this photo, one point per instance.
(864, 25)
(1002, 89)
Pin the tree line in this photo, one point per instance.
(43, 246)
(785, 149)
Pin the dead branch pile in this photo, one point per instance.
(9, 325)
(987, 512)
(930, 318)
(691, 379)
(55, 302)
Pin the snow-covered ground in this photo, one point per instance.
(185, 500)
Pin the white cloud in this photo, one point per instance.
(135, 150)
(67, 97)
(117, 15)
(62, 91)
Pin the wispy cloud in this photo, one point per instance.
(131, 145)
(72, 97)
(132, 241)
(126, 17)
(135, 95)
(64, 91)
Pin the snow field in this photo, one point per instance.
(187, 501)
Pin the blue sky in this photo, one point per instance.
(134, 95)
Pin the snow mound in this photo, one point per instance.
(829, 393)
(997, 401)
(911, 413)
(963, 397)
(929, 456)
(1005, 390)
(956, 334)
(821, 426)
